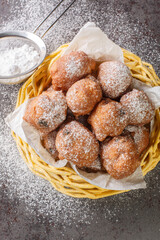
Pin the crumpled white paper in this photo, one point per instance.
(30, 135)
(153, 93)
(96, 44)
(104, 180)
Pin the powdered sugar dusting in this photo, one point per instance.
(70, 68)
(77, 65)
(83, 95)
(137, 130)
(77, 144)
(137, 104)
(53, 109)
(140, 135)
(73, 67)
(108, 119)
(120, 157)
(49, 143)
(115, 78)
(32, 200)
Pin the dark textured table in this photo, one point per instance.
(30, 209)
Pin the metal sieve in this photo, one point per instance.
(19, 38)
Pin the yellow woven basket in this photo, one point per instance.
(65, 179)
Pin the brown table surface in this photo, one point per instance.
(29, 207)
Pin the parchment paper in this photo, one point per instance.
(30, 135)
(96, 44)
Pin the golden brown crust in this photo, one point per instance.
(83, 95)
(140, 135)
(47, 111)
(74, 141)
(108, 119)
(69, 69)
(115, 78)
(140, 110)
(120, 157)
(93, 78)
(29, 113)
(48, 142)
(77, 144)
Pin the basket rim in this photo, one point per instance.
(46, 171)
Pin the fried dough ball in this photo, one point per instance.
(138, 106)
(69, 69)
(47, 111)
(48, 142)
(108, 119)
(93, 78)
(120, 157)
(140, 135)
(83, 95)
(115, 78)
(77, 144)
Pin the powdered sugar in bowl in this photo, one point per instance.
(21, 53)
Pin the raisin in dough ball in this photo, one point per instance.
(108, 119)
(115, 78)
(47, 111)
(138, 106)
(69, 69)
(140, 135)
(82, 96)
(120, 157)
(77, 144)
(48, 142)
